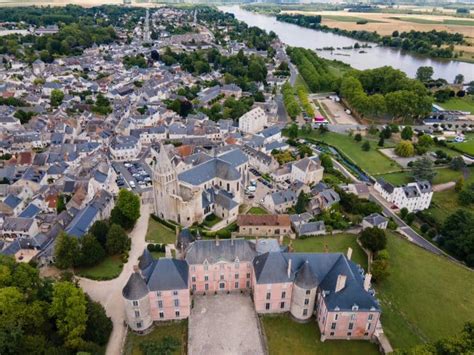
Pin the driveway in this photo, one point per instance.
(224, 324)
(109, 293)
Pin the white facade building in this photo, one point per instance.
(253, 121)
(415, 196)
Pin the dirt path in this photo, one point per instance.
(442, 187)
(109, 293)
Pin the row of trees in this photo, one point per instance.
(291, 104)
(313, 69)
(39, 316)
(385, 91)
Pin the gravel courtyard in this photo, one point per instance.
(224, 324)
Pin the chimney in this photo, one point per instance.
(349, 253)
(367, 279)
(341, 282)
(281, 239)
(289, 268)
(217, 241)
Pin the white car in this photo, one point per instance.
(132, 184)
(251, 188)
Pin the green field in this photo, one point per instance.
(159, 233)
(333, 244)
(424, 21)
(426, 297)
(257, 210)
(176, 330)
(108, 269)
(285, 336)
(349, 19)
(401, 178)
(460, 104)
(467, 146)
(372, 161)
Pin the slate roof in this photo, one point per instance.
(375, 219)
(310, 227)
(209, 170)
(169, 274)
(135, 288)
(12, 201)
(30, 211)
(227, 250)
(271, 268)
(305, 277)
(386, 185)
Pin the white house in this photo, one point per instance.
(415, 196)
(125, 148)
(253, 121)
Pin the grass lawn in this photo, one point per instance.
(442, 175)
(334, 244)
(158, 233)
(177, 330)
(426, 297)
(257, 210)
(285, 336)
(372, 161)
(467, 146)
(158, 254)
(461, 104)
(443, 204)
(108, 269)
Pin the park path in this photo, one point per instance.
(109, 293)
(442, 187)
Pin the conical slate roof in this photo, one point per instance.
(305, 277)
(135, 288)
(145, 260)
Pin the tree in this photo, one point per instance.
(91, 251)
(386, 133)
(366, 146)
(358, 137)
(410, 218)
(457, 163)
(405, 149)
(470, 88)
(12, 310)
(403, 212)
(293, 131)
(459, 184)
(169, 345)
(99, 230)
(66, 251)
(57, 97)
(301, 203)
(98, 326)
(126, 210)
(424, 74)
(407, 133)
(117, 240)
(425, 141)
(373, 239)
(459, 79)
(466, 196)
(326, 161)
(379, 269)
(381, 142)
(457, 235)
(422, 169)
(68, 309)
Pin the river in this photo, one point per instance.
(376, 56)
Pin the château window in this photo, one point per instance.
(282, 305)
(267, 306)
(139, 325)
(305, 312)
(269, 295)
(137, 314)
(176, 303)
(333, 326)
(306, 301)
(135, 303)
(175, 293)
(158, 294)
(283, 294)
(371, 316)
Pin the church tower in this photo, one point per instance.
(165, 186)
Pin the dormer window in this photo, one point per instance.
(355, 307)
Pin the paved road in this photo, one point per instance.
(109, 293)
(293, 74)
(281, 112)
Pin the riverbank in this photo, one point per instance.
(297, 36)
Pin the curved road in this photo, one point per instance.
(109, 293)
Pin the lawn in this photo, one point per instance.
(461, 104)
(108, 269)
(211, 220)
(158, 254)
(467, 146)
(443, 204)
(426, 297)
(442, 175)
(257, 210)
(177, 330)
(159, 233)
(285, 336)
(333, 244)
(372, 161)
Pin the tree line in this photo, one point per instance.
(42, 316)
(291, 104)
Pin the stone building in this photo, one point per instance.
(212, 185)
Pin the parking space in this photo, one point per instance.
(262, 188)
(134, 175)
(224, 324)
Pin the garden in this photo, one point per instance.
(159, 233)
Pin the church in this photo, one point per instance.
(209, 184)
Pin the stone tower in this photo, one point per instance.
(165, 186)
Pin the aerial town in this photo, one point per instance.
(173, 180)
